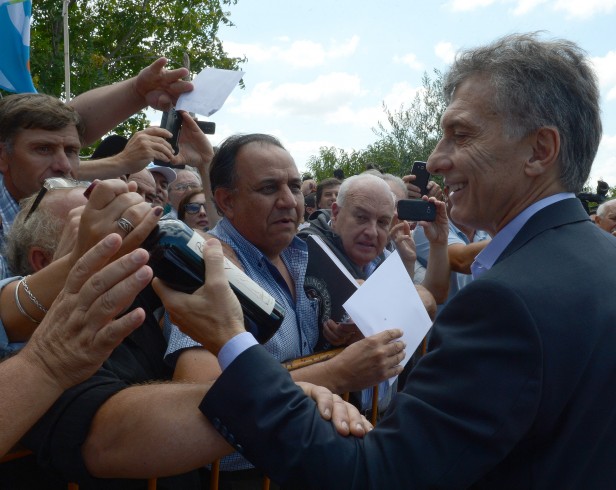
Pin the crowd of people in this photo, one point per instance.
(110, 377)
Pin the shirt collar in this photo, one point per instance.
(247, 248)
(489, 255)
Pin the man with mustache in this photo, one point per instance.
(257, 189)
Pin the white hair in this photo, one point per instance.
(355, 180)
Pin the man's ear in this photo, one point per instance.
(335, 210)
(225, 199)
(39, 258)
(545, 151)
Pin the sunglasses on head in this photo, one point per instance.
(194, 207)
(54, 183)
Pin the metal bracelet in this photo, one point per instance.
(33, 298)
(20, 307)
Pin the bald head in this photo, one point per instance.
(361, 216)
(606, 216)
(146, 185)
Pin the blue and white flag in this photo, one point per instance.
(15, 18)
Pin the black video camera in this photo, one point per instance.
(597, 198)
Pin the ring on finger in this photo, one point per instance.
(125, 225)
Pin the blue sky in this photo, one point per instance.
(318, 71)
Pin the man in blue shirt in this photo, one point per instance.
(257, 188)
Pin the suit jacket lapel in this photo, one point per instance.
(560, 213)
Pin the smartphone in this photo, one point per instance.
(172, 122)
(422, 176)
(416, 210)
(207, 127)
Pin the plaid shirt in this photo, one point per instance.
(298, 334)
(8, 210)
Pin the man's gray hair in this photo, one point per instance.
(350, 182)
(396, 180)
(602, 209)
(537, 84)
(43, 229)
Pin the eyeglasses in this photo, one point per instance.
(186, 185)
(54, 183)
(194, 207)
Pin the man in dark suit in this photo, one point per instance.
(517, 388)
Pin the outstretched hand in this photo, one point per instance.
(80, 329)
(159, 87)
(108, 201)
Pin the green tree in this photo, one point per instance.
(411, 134)
(112, 40)
(415, 130)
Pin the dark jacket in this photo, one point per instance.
(516, 390)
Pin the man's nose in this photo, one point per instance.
(371, 229)
(286, 198)
(61, 163)
(439, 160)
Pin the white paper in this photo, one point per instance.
(212, 87)
(388, 299)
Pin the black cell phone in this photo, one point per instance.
(207, 127)
(416, 210)
(172, 122)
(422, 176)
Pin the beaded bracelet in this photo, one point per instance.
(30, 294)
(20, 307)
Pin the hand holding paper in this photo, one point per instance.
(388, 299)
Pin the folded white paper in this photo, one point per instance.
(388, 299)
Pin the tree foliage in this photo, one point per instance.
(112, 40)
(411, 134)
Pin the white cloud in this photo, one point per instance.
(304, 54)
(468, 5)
(365, 117)
(604, 167)
(445, 51)
(301, 151)
(573, 8)
(585, 9)
(605, 67)
(253, 52)
(325, 95)
(525, 6)
(402, 93)
(410, 60)
(298, 54)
